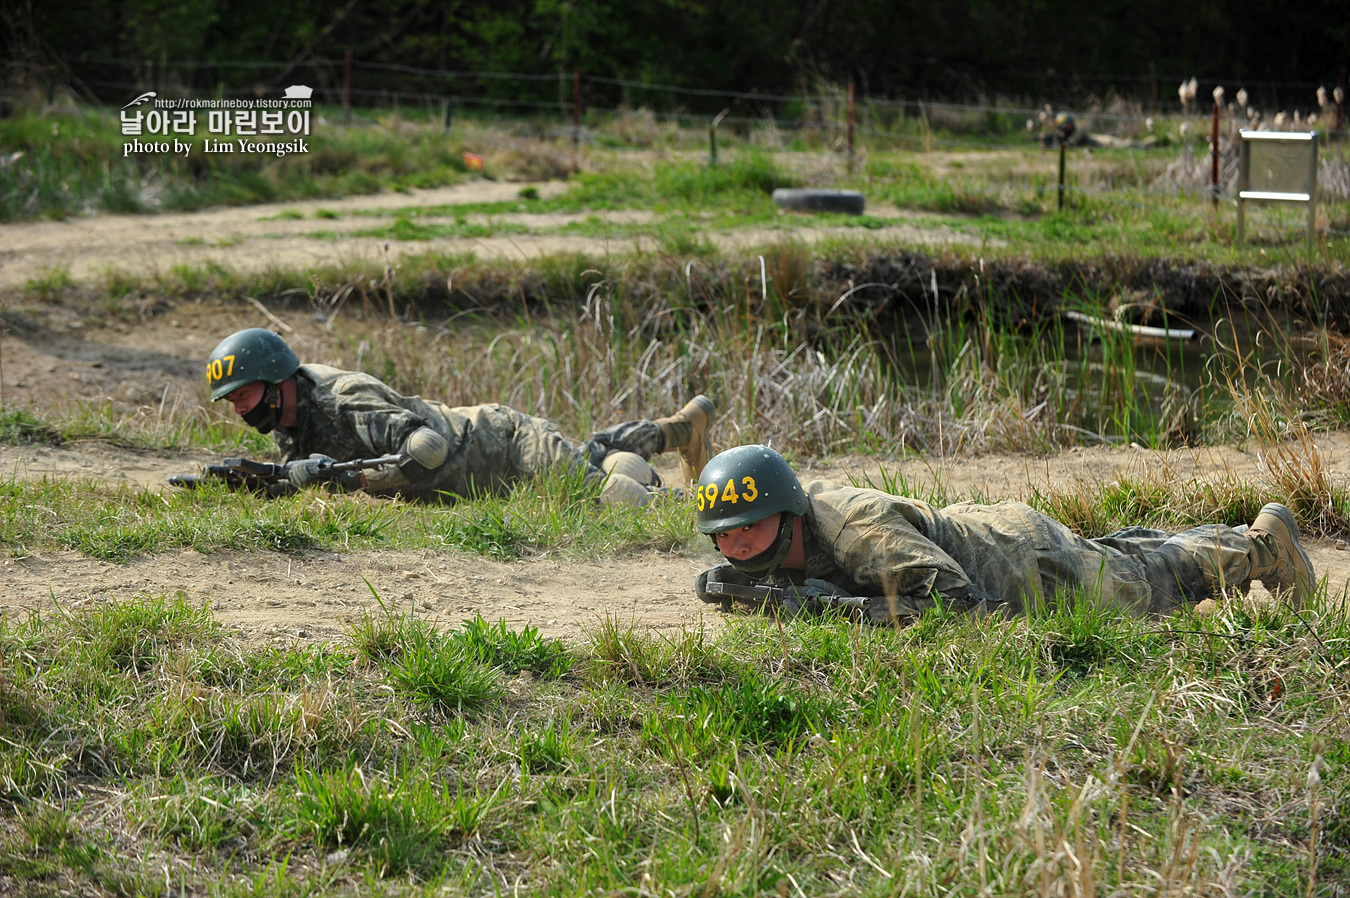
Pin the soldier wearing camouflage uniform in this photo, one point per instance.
(1006, 558)
(322, 414)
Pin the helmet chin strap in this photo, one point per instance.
(771, 559)
(266, 414)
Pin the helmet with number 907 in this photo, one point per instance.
(248, 356)
(745, 485)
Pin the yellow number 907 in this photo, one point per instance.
(710, 493)
(216, 369)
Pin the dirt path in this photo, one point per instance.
(273, 597)
(256, 238)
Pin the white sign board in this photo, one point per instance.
(1280, 167)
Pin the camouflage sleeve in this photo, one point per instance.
(879, 548)
(382, 427)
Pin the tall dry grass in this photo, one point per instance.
(806, 379)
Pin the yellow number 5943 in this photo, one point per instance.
(710, 494)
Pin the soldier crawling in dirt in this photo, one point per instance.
(823, 545)
(319, 415)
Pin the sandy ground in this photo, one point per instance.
(145, 355)
(277, 597)
(256, 238)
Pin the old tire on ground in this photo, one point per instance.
(814, 200)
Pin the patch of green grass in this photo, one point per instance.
(118, 523)
(403, 824)
(80, 167)
(550, 750)
(407, 229)
(22, 426)
(443, 675)
(299, 770)
(512, 651)
(49, 285)
(47, 842)
(206, 814)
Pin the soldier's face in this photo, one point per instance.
(750, 540)
(246, 398)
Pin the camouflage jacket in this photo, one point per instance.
(349, 415)
(875, 544)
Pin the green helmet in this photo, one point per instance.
(745, 485)
(246, 357)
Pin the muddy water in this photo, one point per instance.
(1115, 386)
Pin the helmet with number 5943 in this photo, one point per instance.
(246, 357)
(745, 485)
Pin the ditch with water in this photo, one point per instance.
(1109, 382)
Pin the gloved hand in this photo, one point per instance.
(723, 573)
(824, 588)
(309, 471)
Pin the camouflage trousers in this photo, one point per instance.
(1159, 572)
(643, 438)
(540, 446)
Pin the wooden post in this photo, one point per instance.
(1244, 147)
(576, 107)
(1059, 207)
(1312, 193)
(1340, 104)
(1214, 157)
(850, 126)
(347, 89)
(1152, 89)
(445, 115)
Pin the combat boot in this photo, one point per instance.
(1280, 562)
(687, 431)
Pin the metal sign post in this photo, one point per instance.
(1277, 167)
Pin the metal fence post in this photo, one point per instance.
(712, 137)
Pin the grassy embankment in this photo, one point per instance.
(1077, 753)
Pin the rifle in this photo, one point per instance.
(795, 600)
(274, 479)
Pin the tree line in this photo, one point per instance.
(957, 50)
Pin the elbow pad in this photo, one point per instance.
(426, 450)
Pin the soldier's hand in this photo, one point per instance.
(309, 471)
(722, 573)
